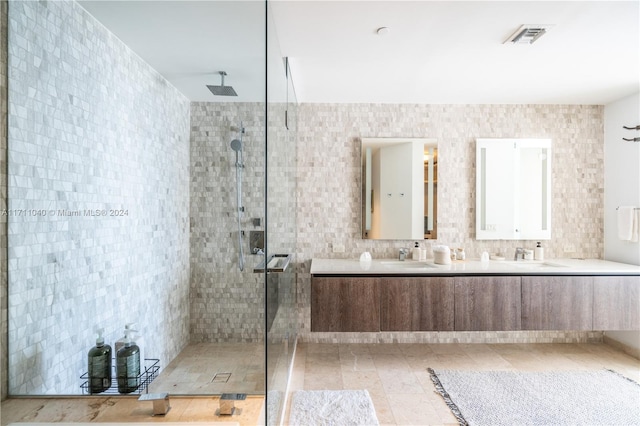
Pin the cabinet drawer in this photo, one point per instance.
(557, 303)
(345, 304)
(416, 304)
(616, 303)
(487, 303)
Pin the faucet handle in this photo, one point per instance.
(402, 253)
(519, 251)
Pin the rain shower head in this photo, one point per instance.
(236, 145)
(222, 90)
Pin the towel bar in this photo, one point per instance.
(635, 208)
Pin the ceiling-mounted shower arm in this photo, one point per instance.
(222, 90)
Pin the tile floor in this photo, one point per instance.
(214, 368)
(396, 374)
(127, 409)
(190, 375)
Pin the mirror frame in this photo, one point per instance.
(508, 189)
(428, 192)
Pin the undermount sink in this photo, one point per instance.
(399, 264)
(536, 265)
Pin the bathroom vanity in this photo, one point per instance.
(388, 295)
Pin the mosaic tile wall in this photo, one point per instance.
(329, 176)
(281, 223)
(99, 187)
(226, 305)
(282, 211)
(3, 200)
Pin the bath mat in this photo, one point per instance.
(496, 398)
(332, 408)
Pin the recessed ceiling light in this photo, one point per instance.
(528, 33)
(382, 31)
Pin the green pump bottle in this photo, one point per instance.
(99, 362)
(128, 366)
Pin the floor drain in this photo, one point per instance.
(221, 378)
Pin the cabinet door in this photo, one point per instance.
(616, 303)
(487, 303)
(345, 304)
(364, 305)
(416, 304)
(557, 303)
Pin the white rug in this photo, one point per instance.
(332, 407)
(593, 398)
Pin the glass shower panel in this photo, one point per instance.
(281, 226)
(126, 174)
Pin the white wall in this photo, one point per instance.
(621, 187)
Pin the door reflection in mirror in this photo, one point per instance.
(399, 188)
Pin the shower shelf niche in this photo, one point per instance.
(143, 379)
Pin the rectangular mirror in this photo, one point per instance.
(399, 188)
(513, 189)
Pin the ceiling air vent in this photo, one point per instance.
(527, 34)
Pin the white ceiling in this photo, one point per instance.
(188, 42)
(435, 52)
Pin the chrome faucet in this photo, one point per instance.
(402, 254)
(519, 251)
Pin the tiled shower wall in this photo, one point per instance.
(227, 305)
(329, 178)
(98, 196)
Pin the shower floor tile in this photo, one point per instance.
(236, 367)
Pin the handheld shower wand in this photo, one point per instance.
(236, 145)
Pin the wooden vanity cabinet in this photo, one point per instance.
(416, 304)
(345, 304)
(474, 303)
(616, 303)
(557, 303)
(486, 303)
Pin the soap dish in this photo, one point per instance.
(496, 257)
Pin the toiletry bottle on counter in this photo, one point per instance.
(99, 366)
(415, 254)
(460, 254)
(423, 252)
(128, 365)
(538, 252)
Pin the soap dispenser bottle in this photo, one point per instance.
(99, 370)
(128, 331)
(128, 365)
(538, 252)
(136, 339)
(415, 254)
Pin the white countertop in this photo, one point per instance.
(472, 267)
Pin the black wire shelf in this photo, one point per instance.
(138, 384)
